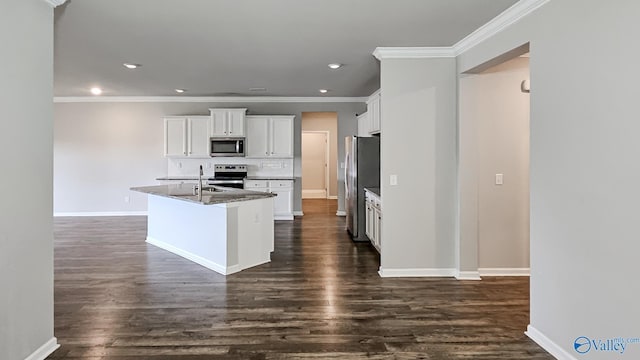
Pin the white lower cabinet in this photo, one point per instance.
(373, 218)
(283, 202)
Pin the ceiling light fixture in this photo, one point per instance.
(324, 91)
(257, 89)
(131, 66)
(180, 91)
(96, 91)
(335, 66)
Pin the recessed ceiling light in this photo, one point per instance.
(96, 91)
(257, 89)
(324, 91)
(335, 66)
(180, 91)
(131, 66)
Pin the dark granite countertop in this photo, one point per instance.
(211, 194)
(374, 190)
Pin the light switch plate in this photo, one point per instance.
(393, 180)
(499, 179)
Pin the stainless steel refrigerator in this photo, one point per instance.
(362, 170)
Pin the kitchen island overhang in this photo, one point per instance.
(225, 230)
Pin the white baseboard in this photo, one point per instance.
(416, 272)
(332, 197)
(547, 344)
(283, 217)
(101, 213)
(224, 270)
(298, 213)
(45, 350)
(314, 194)
(504, 271)
(468, 275)
(341, 213)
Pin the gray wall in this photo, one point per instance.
(102, 149)
(584, 173)
(26, 231)
(492, 104)
(418, 145)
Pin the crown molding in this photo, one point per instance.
(505, 19)
(206, 99)
(54, 3)
(413, 52)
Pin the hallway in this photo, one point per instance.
(320, 298)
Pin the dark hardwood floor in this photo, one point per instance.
(320, 298)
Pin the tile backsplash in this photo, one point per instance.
(255, 167)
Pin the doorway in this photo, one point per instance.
(494, 168)
(315, 163)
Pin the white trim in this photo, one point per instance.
(504, 271)
(547, 344)
(341, 213)
(332, 197)
(221, 269)
(508, 17)
(206, 99)
(298, 213)
(101, 213)
(283, 217)
(374, 95)
(54, 3)
(416, 272)
(413, 52)
(45, 350)
(468, 275)
(314, 194)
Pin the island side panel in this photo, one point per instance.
(252, 222)
(194, 231)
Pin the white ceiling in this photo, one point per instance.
(225, 47)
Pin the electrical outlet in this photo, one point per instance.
(180, 165)
(499, 179)
(126, 199)
(208, 165)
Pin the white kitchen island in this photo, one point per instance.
(225, 230)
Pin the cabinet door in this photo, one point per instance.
(281, 137)
(257, 134)
(235, 119)
(175, 137)
(364, 125)
(198, 136)
(377, 221)
(219, 123)
(375, 115)
(283, 202)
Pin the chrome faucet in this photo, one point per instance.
(200, 184)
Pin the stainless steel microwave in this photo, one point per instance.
(227, 146)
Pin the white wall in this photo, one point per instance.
(102, 149)
(499, 111)
(326, 121)
(418, 145)
(26, 230)
(584, 174)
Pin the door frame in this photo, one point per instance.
(326, 159)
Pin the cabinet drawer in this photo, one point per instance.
(252, 184)
(280, 183)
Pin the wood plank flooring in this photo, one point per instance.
(320, 298)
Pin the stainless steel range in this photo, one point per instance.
(229, 176)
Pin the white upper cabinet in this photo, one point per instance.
(198, 136)
(186, 136)
(374, 113)
(364, 125)
(175, 136)
(227, 122)
(270, 136)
